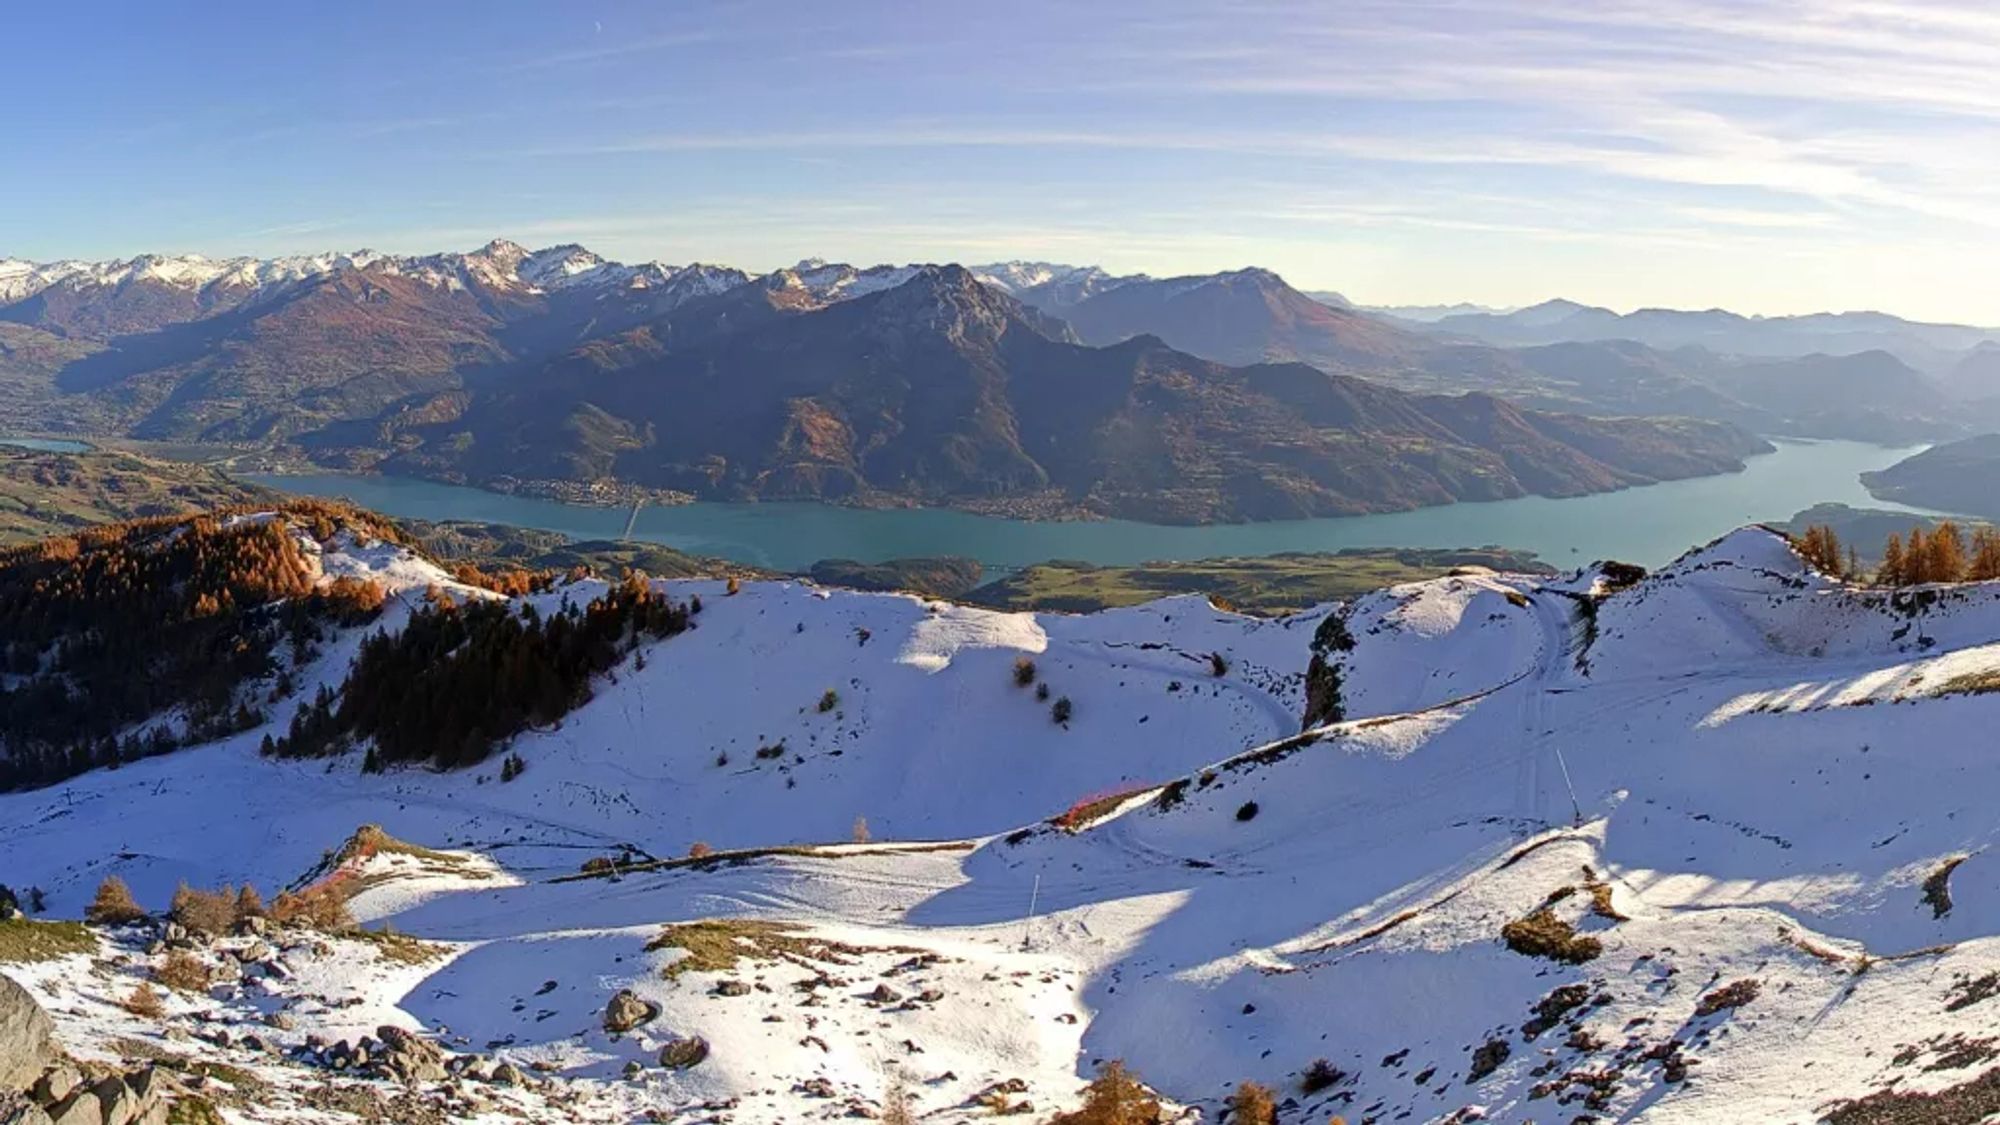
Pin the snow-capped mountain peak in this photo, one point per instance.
(829, 282)
(499, 266)
(1049, 286)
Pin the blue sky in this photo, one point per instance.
(1763, 156)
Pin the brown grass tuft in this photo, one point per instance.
(1732, 995)
(1542, 934)
(144, 1001)
(184, 972)
(1252, 1104)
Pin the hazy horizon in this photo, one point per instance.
(757, 269)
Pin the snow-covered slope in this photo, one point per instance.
(1755, 898)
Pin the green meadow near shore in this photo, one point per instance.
(50, 493)
(1271, 585)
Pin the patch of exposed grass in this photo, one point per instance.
(1600, 903)
(1542, 934)
(1971, 683)
(401, 948)
(193, 1109)
(23, 940)
(1272, 584)
(1974, 1100)
(1600, 896)
(716, 945)
(132, 1047)
(1735, 994)
(223, 1085)
(370, 840)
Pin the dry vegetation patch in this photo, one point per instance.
(1971, 683)
(1974, 1100)
(1735, 994)
(716, 945)
(1543, 934)
(1252, 1104)
(401, 948)
(184, 972)
(23, 940)
(145, 1002)
(371, 840)
(1600, 896)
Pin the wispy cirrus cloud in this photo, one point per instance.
(1774, 154)
(613, 49)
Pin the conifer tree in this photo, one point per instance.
(1892, 571)
(1820, 547)
(1985, 563)
(249, 904)
(1944, 554)
(114, 905)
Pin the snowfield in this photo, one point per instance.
(1710, 848)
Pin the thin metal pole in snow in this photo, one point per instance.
(1028, 927)
(1575, 807)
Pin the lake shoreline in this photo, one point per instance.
(1649, 524)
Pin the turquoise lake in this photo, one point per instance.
(1649, 525)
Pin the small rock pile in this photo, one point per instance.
(40, 1086)
(392, 1054)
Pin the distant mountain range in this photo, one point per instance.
(1933, 348)
(1019, 387)
(1817, 390)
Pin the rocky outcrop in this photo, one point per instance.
(407, 1057)
(40, 1086)
(681, 1054)
(61, 1096)
(626, 1011)
(27, 1038)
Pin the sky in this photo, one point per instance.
(1765, 156)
